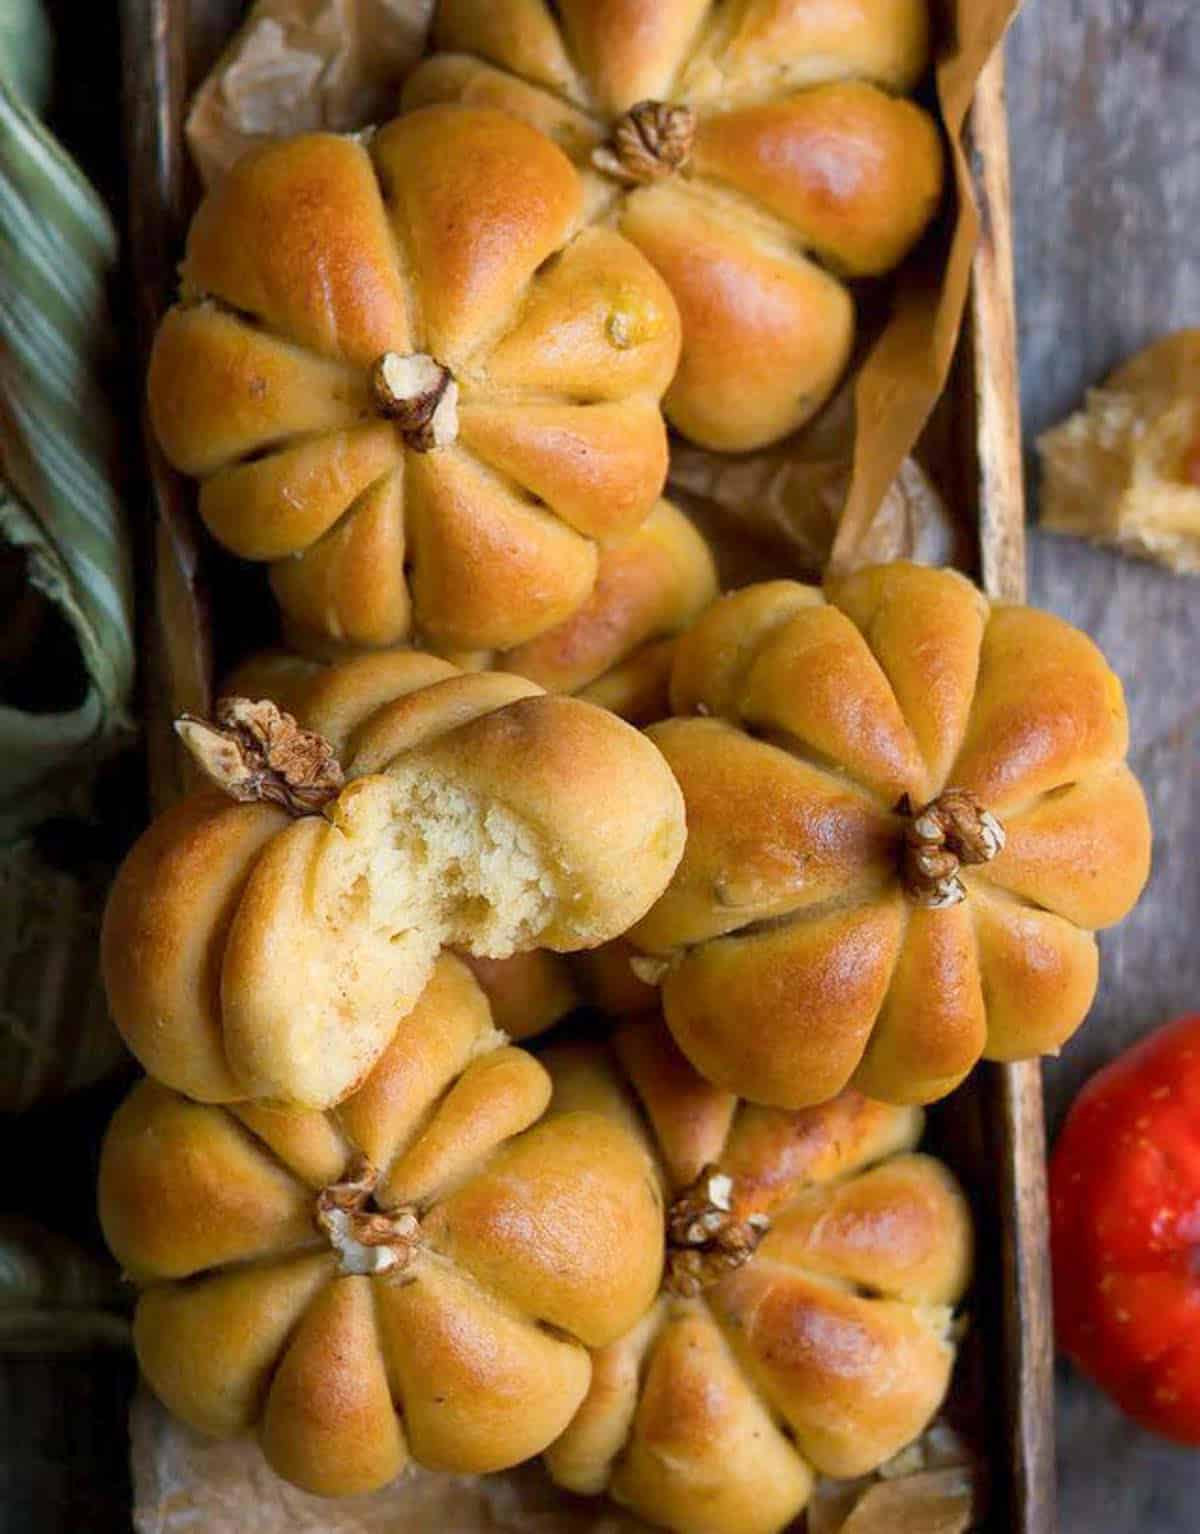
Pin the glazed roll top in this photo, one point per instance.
(758, 155)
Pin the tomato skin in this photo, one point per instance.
(1125, 1231)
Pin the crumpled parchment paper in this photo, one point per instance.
(297, 65)
(778, 511)
(187, 1484)
(929, 1488)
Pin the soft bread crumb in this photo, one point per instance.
(343, 944)
(468, 869)
(1122, 472)
(487, 1042)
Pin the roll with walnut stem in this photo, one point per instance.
(807, 1322)
(614, 650)
(264, 937)
(758, 155)
(410, 382)
(909, 811)
(419, 1275)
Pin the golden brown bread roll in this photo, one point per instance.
(531, 992)
(254, 950)
(757, 154)
(616, 648)
(908, 812)
(528, 992)
(408, 380)
(814, 1263)
(418, 1275)
(615, 651)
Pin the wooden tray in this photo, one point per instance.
(992, 1130)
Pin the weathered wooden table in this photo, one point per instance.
(1104, 98)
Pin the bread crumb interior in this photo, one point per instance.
(412, 864)
(464, 869)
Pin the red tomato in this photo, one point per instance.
(1125, 1231)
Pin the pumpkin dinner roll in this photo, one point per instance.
(806, 1322)
(614, 650)
(419, 1275)
(410, 381)
(761, 155)
(908, 813)
(263, 937)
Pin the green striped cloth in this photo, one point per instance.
(66, 600)
(64, 558)
(26, 50)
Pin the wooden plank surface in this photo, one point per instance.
(1013, 1093)
(1106, 174)
(1103, 97)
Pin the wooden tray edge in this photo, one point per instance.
(155, 69)
(1015, 1091)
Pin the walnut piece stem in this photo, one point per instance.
(255, 752)
(367, 1241)
(420, 395)
(706, 1238)
(952, 831)
(651, 141)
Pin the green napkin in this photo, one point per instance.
(26, 50)
(66, 600)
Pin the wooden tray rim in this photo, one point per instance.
(155, 56)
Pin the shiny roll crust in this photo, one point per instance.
(759, 156)
(248, 954)
(616, 649)
(409, 381)
(824, 1353)
(448, 1320)
(811, 727)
